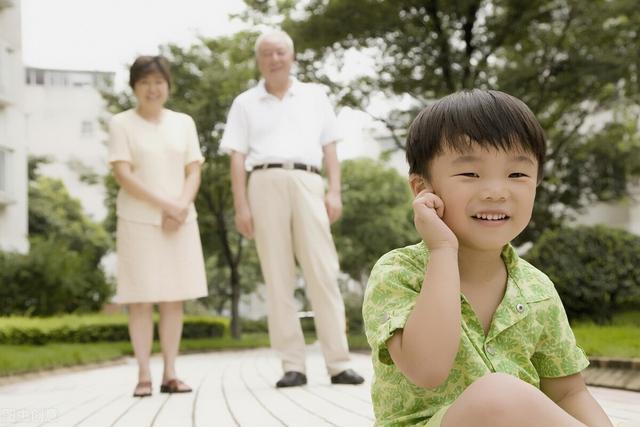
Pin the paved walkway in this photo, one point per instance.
(230, 389)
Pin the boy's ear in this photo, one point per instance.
(418, 183)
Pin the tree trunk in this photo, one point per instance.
(236, 331)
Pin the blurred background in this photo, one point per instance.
(63, 73)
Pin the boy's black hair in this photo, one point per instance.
(490, 118)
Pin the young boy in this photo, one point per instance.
(463, 331)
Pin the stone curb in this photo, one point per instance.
(613, 372)
(615, 363)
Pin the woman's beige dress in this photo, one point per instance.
(154, 265)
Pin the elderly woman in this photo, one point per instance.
(155, 158)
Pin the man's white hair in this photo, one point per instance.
(276, 34)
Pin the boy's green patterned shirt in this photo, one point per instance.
(529, 336)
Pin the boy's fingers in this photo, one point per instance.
(431, 201)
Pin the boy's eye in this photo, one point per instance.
(518, 175)
(469, 174)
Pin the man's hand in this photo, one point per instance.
(428, 211)
(244, 221)
(333, 204)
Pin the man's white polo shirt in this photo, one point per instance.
(272, 130)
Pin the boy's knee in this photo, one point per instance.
(497, 395)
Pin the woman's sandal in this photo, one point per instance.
(143, 389)
(174, 386)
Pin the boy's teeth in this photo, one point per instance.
(491, 217)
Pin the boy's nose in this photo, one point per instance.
(495, 191)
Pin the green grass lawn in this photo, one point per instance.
(620, 339)
(16, 359)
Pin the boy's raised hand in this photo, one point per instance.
(428, 210)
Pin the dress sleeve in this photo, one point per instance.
(557, 353)
(118, 145)
(192, 153)
(236, 130)
(392, 290)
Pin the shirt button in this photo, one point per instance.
(519, 308)
(491, 350)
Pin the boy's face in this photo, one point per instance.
(488, 195)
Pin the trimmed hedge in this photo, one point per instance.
(76, 329)
(251, 326)
(596, 270)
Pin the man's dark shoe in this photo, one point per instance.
(292, 379)
(347, 377)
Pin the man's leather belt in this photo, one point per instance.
(288, 165)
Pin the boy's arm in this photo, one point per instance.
(427, 346)
(571, 394)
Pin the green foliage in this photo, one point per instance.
(77, 329)
(377, 216)
(261, 326)
(567, 59)
(55, 215)
(595, 269)
(62, 272)
(353, 312)
(219, 277)
(50, 279)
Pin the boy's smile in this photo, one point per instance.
(488, 194)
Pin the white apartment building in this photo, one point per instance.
(63, 113)
(13, 152)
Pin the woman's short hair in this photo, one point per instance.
(145, 65)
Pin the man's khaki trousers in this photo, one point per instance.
(289, 218)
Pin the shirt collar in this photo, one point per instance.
(531, 283)
(293, 89)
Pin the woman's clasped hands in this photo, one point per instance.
(174, 215)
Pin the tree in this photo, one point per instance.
(61, 273)
(207, 76)
(377, 216)
(569, 60)
(55, 215)
(594, 269)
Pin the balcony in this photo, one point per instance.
(5, 197)
(7, 81)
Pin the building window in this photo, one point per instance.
(40, 77)
(86, 128)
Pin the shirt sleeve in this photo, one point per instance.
(236, 131)
(557, 353)
(192, 153)
(118, 145)
(390, 296)
(330, 128)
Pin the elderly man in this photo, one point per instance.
(280, 131)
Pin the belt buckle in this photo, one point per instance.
(288, 165)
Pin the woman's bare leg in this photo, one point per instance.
(170, 330)
(141, 334)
